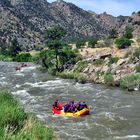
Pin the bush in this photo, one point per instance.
(5, 58)
(136, 53)
(113, 60)
(128, 32)
(138, 40)
(79, 44)
(98, 62)
(138, 68)
(99, 73)
(80, 66)
(52, 70)
(81, 78)
(113, 33)
(36, 58)
(92, 42)
(108, 79)
(128, 53)
(123, 42)
(23, 57)
(129, 80)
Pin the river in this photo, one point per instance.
(114, 113)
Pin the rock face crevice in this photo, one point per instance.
(27, 20)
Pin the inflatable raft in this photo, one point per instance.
(84, 111)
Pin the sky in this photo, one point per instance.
(113, 7)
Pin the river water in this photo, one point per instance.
(114, 113)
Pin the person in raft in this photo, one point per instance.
(57, 105)
(81, 105)
(70, 107)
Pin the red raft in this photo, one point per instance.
(59, 111)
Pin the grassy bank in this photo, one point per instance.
(15, 124)
(5, 58)
(79, 77)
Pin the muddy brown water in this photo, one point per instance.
(114, 113)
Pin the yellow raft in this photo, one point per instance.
(84, 111)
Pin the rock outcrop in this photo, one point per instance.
(27, 20)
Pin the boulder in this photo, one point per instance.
(105, 69)
(92, 69)
(86, 70)
(106, 55)
(121, 61)
(114, 68)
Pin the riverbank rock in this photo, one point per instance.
(106, 69)
(121, 61)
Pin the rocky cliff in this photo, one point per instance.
(27, 20)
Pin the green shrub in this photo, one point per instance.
(98, 62)
(128, 53)
(138, 68)
(23, 57)
(80, 66)
(36, 58)
(113, 33)
(80, 43)
(123, 42)
(5, 58)
(113, 60)
(73, 75)
(136, 53)
(128, 32)
(129, 80)
(108, 79)
(52, 70)
(138, 40)
(92, 42)
(99, 73)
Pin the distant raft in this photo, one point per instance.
(59, 111)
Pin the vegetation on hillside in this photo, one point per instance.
(56, 53)
(123, 42)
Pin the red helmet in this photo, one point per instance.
(72, 101)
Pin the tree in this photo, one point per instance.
(92, 42)
(123, 42)
(113, 33)
(80, 43)
(128, 32)
(14, 48)
(55, 53)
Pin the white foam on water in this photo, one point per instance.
(18, 86)
(110, 115)
(72, 137)
(4, 83)
(28, 68)
(127, 137)
(41, 116)
(32, 101)
(23, 93)
(122, 118)
(121, 106)
(2, 78)
(48, 84)
(19, 74)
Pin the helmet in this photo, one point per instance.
(72, 101)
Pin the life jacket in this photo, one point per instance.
(71, 106)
